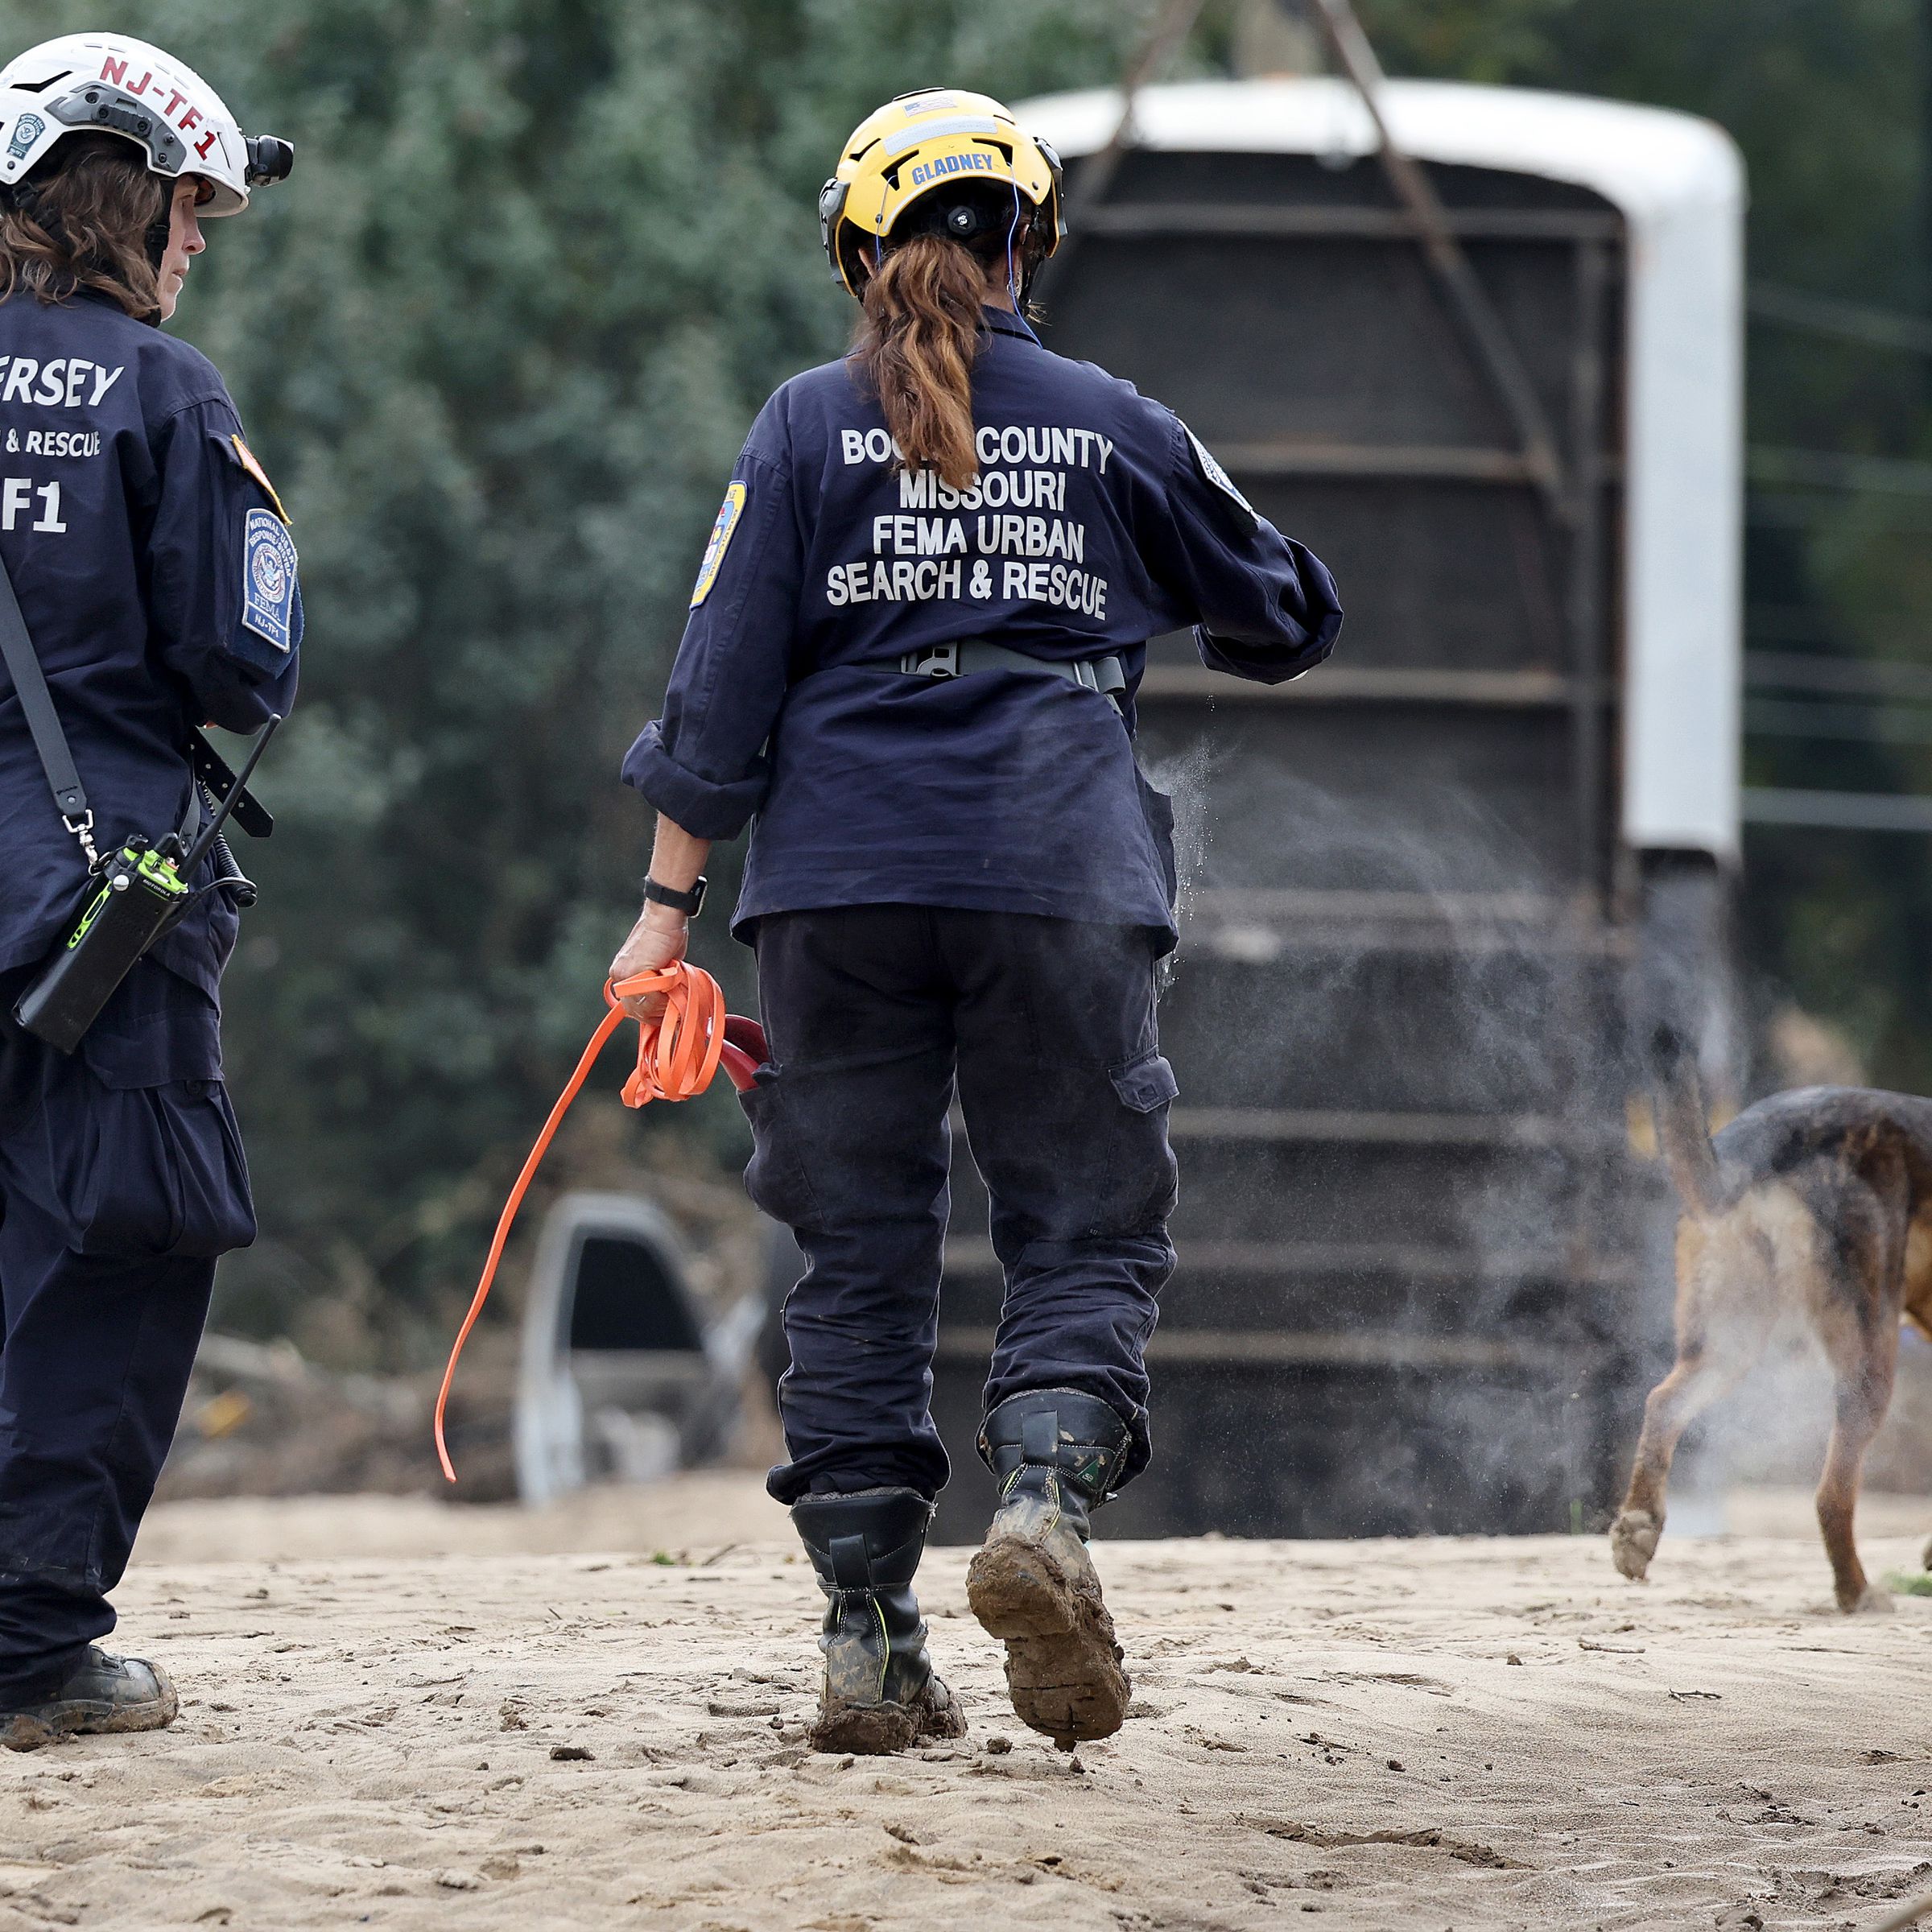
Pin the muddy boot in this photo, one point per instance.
(1056, 1453)
(879, 1692)
(100, 1693)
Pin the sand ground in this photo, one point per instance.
(401, 1715)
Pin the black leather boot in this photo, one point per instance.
(880, 1693)
(100, 1693)
(1056, 1453)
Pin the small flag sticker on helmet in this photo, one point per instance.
(728, 512)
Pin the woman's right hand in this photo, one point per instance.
(658, 939)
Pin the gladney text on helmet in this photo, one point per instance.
(989, 552)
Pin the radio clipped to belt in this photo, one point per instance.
(137, 892)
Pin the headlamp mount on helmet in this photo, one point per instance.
(114, 110)
(269, 159)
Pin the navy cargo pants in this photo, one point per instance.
(122, 1177)
(872, 1013)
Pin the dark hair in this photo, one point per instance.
(84, 219)
(918, 336)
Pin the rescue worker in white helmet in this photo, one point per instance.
(156, 591)
(912, 653)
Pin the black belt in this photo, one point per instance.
(1105, 674)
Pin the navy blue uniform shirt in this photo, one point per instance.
(1096, 522)
(158, 584)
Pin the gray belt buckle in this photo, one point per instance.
(938, 661)
(1085, 675)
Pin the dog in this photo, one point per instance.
(1815, 1203)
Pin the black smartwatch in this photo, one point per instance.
(689, 903)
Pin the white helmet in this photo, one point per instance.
(109, 84)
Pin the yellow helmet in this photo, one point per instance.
(934, 139)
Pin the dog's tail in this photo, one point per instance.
(1681, 1131)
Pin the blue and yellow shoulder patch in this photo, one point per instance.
(728, 512)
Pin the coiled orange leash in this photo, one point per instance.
(678, 1053)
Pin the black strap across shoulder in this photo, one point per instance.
(36, 701)
(210, 770)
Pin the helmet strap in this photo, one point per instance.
(25, 197)
(1013, 228)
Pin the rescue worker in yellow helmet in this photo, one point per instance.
(912, 653)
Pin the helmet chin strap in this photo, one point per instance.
(25, 197)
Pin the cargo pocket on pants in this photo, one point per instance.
(775, 1177)
(1145, 1084)
(160, 1168)
(1143, 1179)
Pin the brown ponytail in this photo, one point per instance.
(915, 349)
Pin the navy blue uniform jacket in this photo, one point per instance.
(1096, 522)
(158, 584)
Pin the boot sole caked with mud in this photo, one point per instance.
(863, 1730)
(1063, 1667)
(882, 1730)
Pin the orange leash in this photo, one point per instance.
(678, 1053)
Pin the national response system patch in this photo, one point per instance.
(728, 512)
(1243, 512)
(247, 459)
(268, 578)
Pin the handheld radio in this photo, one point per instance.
(140, 891)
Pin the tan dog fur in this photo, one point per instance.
(1815, 1204)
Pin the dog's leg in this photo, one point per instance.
(1724, 1317)
(1696, 1381)
(1864, 1394)
(1860, 1295)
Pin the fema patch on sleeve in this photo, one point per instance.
(268, 578)
(1218, 478)
(728, 512)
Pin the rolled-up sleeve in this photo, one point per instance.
(701, 761)
(1264, 607)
